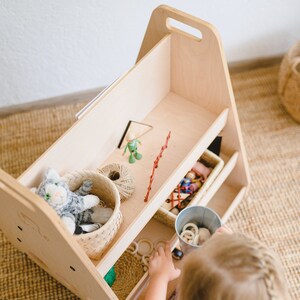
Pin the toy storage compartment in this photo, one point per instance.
(180, 87)
(224, 201)
(209, 159)
(145, 94)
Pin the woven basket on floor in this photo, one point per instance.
(209, 159)
(94, 243)
(289, 82)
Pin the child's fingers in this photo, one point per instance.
(161, 250)
(153, 256)
(224, 229)
(168, 249)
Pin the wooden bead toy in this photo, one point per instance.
(177, 254)
(201, 170)
(191, 175)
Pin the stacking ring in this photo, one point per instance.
(191, 226)
(145, 241)
(133, 248)
(145, 259)
(187, 235)
(160, 243)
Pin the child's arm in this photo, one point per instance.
(161, 271)
(224, 229)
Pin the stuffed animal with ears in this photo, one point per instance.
(74, 208)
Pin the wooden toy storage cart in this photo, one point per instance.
(181, 84)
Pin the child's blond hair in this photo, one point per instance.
(231, 267)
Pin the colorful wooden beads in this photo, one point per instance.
(201, 170)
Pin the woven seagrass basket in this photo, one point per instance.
(94, 243)
(209, 159)
(129, 271)
(289, 82)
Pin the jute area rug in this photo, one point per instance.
(270, 212)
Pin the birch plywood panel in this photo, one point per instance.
(180, 85)
(37, 230)
(98, 132)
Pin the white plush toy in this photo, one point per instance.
(74, 208)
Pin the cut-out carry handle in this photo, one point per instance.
(296, 65)
(159, 26)
(177, 26)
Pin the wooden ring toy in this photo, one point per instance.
(147, 242)
(196, 240)
(133, 248)
(187, 235)
(145, 259)
(191, 226)
(160, 243)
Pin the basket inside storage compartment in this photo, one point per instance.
(151, 93)
(131, 275)
(209, 159)
(179, 85)
(94, 243)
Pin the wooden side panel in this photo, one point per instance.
(177, 77)
(98, 132)
(159, 26)
(200, 74)
(36, 230)
(176, 161)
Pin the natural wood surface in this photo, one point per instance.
(181, 85)
(37, 230)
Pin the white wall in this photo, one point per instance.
(50, 48)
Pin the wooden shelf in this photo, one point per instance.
(179, 84)
(225, 200)
(189, 125)
(220, 197)
(154, 231)
(230, 163)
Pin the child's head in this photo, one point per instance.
(231, 267)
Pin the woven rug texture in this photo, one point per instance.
(270, 212)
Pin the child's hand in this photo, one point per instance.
(161, 264)
(224, 229)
